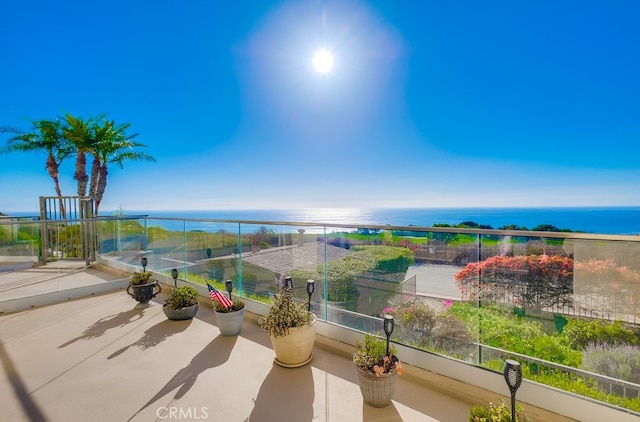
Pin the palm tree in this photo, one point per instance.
(111, 145)
(79, 132)
(46, 136)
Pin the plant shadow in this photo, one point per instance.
(285, 388)
(101, 326)
(155, 335)
(214, 354)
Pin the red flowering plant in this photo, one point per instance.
(530, 280)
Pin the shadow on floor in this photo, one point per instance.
(214, 354)
(285, 388)
(101, 326)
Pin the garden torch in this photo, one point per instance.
(513, 377)
(388, 325)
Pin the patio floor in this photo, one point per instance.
(106, 358)
(96, 354)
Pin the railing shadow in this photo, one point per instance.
(29, 406)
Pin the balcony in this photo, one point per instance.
(93, 335)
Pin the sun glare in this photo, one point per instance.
(322, 61)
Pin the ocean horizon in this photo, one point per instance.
(598, 220)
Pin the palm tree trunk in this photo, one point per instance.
(81, 173)
(52, 169)
(101, 187)
(95, 175)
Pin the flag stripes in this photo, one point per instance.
(216, 294)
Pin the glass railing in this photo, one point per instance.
(19, 241)
(567, 305)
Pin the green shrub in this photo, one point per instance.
(386, 259)
(582, 332)
(246, 277)
(498, 327)
(451, 335)
(555, 349)
(419, 324)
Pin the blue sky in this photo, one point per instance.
(429, 103)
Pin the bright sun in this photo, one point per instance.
(322, 61)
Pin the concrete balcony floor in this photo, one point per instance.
(107, 358)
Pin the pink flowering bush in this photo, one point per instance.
(528, 280)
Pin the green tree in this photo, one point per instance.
(80, 132)
(45, 136)
(111, 144)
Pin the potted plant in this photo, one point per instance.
(182, 303)
(291, 326)
(141, 287)
(377, 370)
(229, 312)
(496, 412)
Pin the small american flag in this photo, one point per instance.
(216, 294)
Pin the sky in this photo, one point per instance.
(428, 104)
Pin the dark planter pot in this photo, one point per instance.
(180, 314)
(143, 293)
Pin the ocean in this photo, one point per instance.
(598, 220)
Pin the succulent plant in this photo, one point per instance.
(372, 357)
(138, 279)
(182, 297)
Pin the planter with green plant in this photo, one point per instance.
(229, 312)
(181, 304)
(377, 370)
(292, 329)
(142, 287)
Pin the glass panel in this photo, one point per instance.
(19, 240)
(566, 308)
(122, 240)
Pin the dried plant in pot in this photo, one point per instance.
(142, 287)
(292, 329)
(377, 370)
(182, 303)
